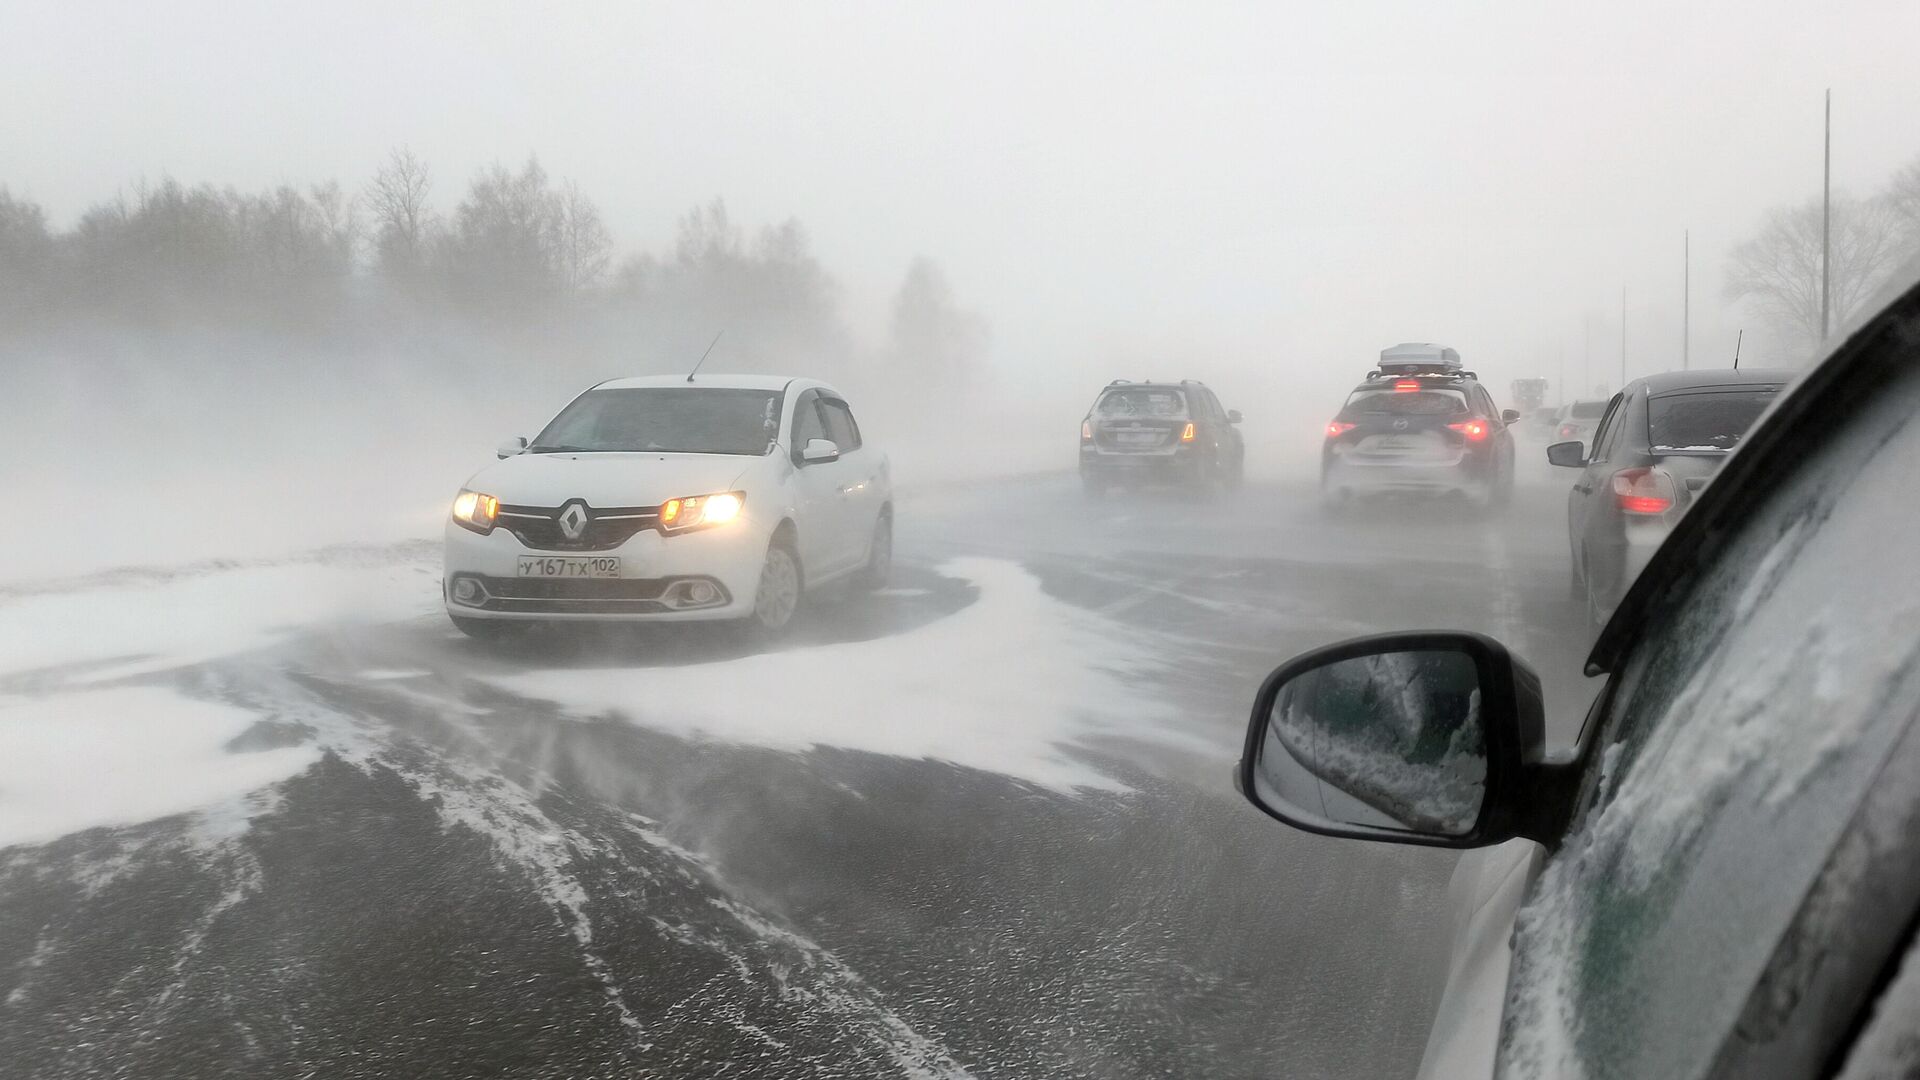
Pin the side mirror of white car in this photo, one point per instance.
(515, 445)
(819, 450)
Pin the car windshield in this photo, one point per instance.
(1587, 410)
(667, 420)
(1408, 402)
(1142, 401)
(1704, 421)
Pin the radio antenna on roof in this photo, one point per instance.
(1736, 348)
(704, 355)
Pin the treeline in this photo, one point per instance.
(516, 248)
(1867, 241)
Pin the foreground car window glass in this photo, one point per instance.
(1349, 739)
(1665, 926)
(668, 421)
(1713, 421)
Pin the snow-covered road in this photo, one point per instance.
(276, 818)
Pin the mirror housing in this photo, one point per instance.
(1520, 791)
(507, 449)
(1233, 416)
(819, 451)
(1509, 416)
(1571, 455)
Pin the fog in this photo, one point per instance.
(275, 283)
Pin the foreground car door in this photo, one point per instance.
(1746, 863)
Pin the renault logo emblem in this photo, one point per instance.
(573, 521)
(1399, 425)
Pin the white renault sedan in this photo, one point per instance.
(664, 498)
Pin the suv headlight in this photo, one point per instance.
(700, 511)
(475, 511)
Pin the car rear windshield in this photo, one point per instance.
(1709, 420)
(1587, 410)
(1408, 402)
(1142, 401)
(666, 420)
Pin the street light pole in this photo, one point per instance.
(1686, 299)
(1623, 337)
(1826, 223)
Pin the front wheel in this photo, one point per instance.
(879, 568)
(778, 595)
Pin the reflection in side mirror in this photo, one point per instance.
(1573, 454)
(819, 450)
(1233, 416)
(1428, 738)
(515, 445)
(1510, 416)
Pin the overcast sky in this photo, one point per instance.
(1211, 186)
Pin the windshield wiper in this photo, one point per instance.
(559, 448)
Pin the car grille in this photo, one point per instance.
(602, 596)
(538, 527)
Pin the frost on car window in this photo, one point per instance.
(1889, 1048)
(1397, 736)
(1710, 420)
(1733, 774)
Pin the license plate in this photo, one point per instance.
(1139, 436)
(558, 566)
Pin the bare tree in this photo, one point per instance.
(1903, 199)
(933, 337)
(1778, 269)
(584, 246)
(403, 223)
(502, 248)
(26, 252)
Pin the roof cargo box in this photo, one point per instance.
(1418, 356)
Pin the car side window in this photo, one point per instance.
(1603, 433)
(1719, 876)
(840, 426)
(806, 421)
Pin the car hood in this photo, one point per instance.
(610, 479)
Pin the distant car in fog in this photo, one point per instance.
(1657, 444)
(1139, 433)
(662, 498)
(1418, 432)
(1577, 420)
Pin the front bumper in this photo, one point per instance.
(662, 578)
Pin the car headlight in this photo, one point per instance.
(700, 511)
(475, 511)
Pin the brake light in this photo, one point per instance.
(1338, 428)
(1568, 431)
(1643, 491)
(1474, 430)
(1186, 433)
(1406, 384)
(1086, 431)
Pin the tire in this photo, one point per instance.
(490, 631)
(1238, 475)
(777, 598)
(874, 576)
(1503, 487)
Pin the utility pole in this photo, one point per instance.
(1623, 337)
(1686, 299)
(1826, 222)
(1586, 354)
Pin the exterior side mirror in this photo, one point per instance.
(1572, 455)
(819, 451)
(1434, 738)
(1509, 416)
(515, 445)
(1233, 416)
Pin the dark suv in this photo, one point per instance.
(1151, 432)
(1430, 433)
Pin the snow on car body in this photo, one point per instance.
(666, 498)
